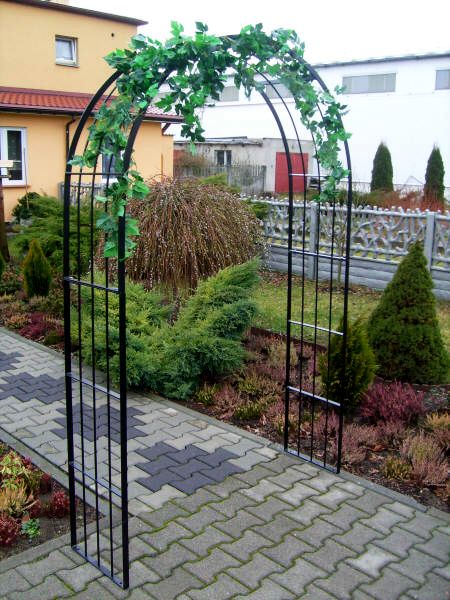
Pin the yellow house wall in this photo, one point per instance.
(27, 48)
(46, 149)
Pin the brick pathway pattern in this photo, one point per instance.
(217, 513)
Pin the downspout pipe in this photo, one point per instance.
(68, 124)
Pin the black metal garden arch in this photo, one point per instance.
(97, 413)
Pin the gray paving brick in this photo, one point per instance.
(190, 485)
(369, 502)
(342, 583)
(372, 561)
(165, 562)
(299, 576)
(287, 478)
(158, 518)
(358, 537)
(255, 475)
(383, 520)
(307, 512)
(435, 588)
(318, 532)
(227, 487)
(344, 517)
(276, 529)
(269, 590)
(35, 572)
(234, 503)
(199, 498)
(287, 551)
(329, 555)
(222, 589)
(252, 573)
(268, 509)
(218, 474)
(249, 460)
(161, 539)
(297, 494)
(13, 581)
(51, 588)
(416, 566)
(390, 585)
(201, 519)
(180, 581)
(212, 565)
(235, 526)
(202, 543)
(398, 541)
(438, 546)
(247, 545)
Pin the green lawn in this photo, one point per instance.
(271, 300)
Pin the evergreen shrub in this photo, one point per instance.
(204, 342)
(434, 176)
(382, 172)
(403, 329)
(47, 227)
(359, 367)
(37, 274)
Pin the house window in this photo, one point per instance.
(13, 147)
(230, 93)
(223, 158)
(280, 90)
(369, 84)
(443, 79)
(66, 50)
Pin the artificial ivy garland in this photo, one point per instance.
(195, 69)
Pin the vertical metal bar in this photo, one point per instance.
(316, 275)
(68, 356)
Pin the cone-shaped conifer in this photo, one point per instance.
(403, 329)
(37, 274)
(434, 176)
(382, 172)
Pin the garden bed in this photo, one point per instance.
(47, 502)
(373, 448)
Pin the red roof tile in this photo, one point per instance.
(67, 103)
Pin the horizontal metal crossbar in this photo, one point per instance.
(94, 386)
(316, 254)
(110, 488)
(292, 322)
(89, 284)
(291, 388)
(307, 457)
(98, 565)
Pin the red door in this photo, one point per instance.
(281, 172)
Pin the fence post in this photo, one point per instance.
(429, 238)
(313, 234)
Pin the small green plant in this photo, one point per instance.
(403, 330)
(31, 528)
(434, 176)
(250, 410)
(205, 395)
(27, 206)
(382, 172)
(359, 369)
(37, 274)
(396, 468)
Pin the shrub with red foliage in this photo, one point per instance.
(392, 402)
(59, 504)
(36, 509)
(45, 484)
(39, 325)
(9, 530)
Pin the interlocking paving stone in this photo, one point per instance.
(269, 590)
(212, 565)
(26, 387)
(51, 588)
(416, 566)
(435, 588)
(223, 588)
(249, 543)
(372, 560)
(252, 573)
(201, 544)
(390, 585)
(240, 522)
(297, 577)
(165, 562)
(342, 582)
(287, 551)
(179, 581)
(98, 429)
(8, 360)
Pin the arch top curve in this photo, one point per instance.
(194, 69)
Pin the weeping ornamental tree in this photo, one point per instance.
(434, 176)
(382, 172)
(403, 329)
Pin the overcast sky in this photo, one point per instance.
(331, 29)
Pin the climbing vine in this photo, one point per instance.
(194, 70)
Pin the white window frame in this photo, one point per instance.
(281, 88)
(227, 154)
(73, 62)
(447, 87)
(368, 77)
(4, 156)
(229, 90)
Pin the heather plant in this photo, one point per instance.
(439, 425)
(394, 401)
(434, 176)
(59, 504)
(403, 329)
(382, 172)
(9, 530)
(36, 270)
(424, 453)
(349, 382)
(396, 468)
(189, 231)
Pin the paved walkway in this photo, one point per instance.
(218, 513)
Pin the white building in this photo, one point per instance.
(402, 101)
